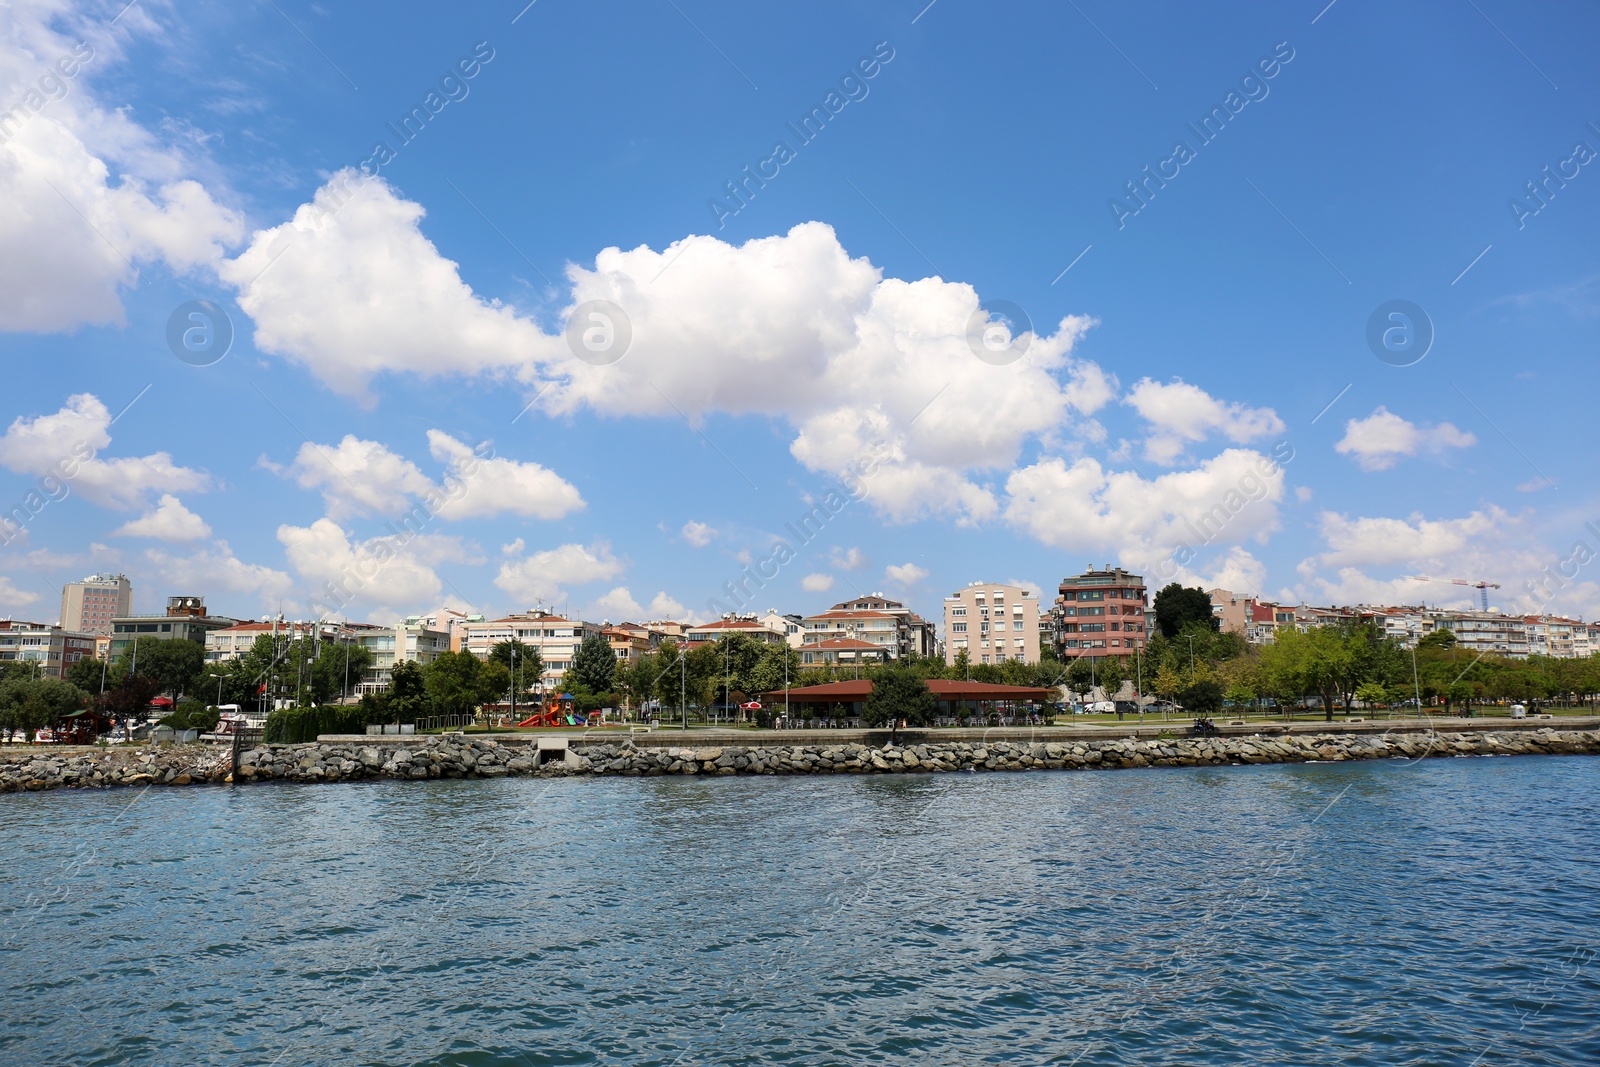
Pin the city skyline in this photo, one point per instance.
(1208, 309)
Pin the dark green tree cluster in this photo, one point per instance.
(29, 703)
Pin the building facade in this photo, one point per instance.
(878, 630)
(392, 644)
(186, 620)
(994, 623)
(50, 650)
(748, 625)
(90, 606)
(554, 636)
(1102, 613)
(231, 642)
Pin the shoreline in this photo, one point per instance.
(332, 759)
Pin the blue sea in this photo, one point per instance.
(1445, 911)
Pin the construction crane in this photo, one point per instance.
(1482, 587)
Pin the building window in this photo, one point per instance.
(958, 627)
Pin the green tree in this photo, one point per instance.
(768, 674)
(961, 669)
(1176, 606)
(522, 660)
(29, 705)
(1203, 698)
(337, 669)
(454, 683)
(86, 674)
(176, 666)
(898, 694)
(594, 665)
(1372, 693)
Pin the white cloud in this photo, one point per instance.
(358, 477)
(1364, 541)
(1228, 499)
(355, 289)
(394, 571)
(817, 583)
(71, 238)
(904, 573)
(848, 559)
(1368, 560)
(168, 521)
(12, 597)
(1181, 414)
(1238, 571)
(543, 576)
(620, 606)
(217, 570)
(698, 534)
(786, 326)
(65, 447)
(481, 484)
(1378, 441)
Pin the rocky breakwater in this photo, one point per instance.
(453, 756)
(626, 759)
(43, 768)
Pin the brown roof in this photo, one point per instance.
(840, 643)
(832, 614)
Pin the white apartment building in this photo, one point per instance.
(235, 641)
(392, 644)
(555, 637)
(876, 635)
(994, 623)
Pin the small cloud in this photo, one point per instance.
(904, 573)
(698, 534)
(817, 583)
(514, 548)
(848, 559)
(1378, 441)
(1302, 493)
(1535, 485)
(169, 520)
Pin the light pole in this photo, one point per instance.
(1415, 680)
(1191, 658)
(683, 688)
(218, 677)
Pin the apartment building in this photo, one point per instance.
(994, 623)
(447, 620)
(49, 649)
(554, 636)
(1487, 632)
(748, 625)
(90, 606)
(877, 633)
(843, 652)
(393, 644)
(231, 642)
(1102, 613)
(628, 644)
(186, 619)
(917, 635)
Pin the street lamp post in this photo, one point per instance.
(218, 677)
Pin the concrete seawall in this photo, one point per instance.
(456, 756)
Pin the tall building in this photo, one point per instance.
(994, 623)
(1102, 613)
(88, 606)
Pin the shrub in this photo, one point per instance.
(292, 726)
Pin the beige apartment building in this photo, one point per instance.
(89, 606)
(994, 623)
(557, 638)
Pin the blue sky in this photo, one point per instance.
(1206, 354)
